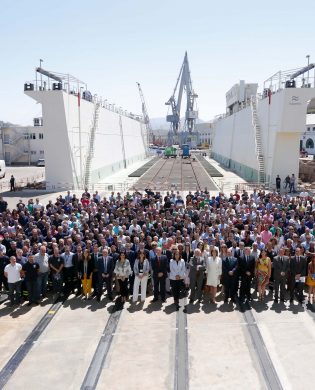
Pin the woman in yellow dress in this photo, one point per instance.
(310, 280)
(263, 272)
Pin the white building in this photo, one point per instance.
(204, 130)
(22, 145)
(307, 141)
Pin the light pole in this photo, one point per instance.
(308, 71)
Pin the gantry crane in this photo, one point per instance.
(184, 82)
(146, 117)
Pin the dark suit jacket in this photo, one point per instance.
(76, 261)
(245, 266)
(237, 253)
(94, 260)
(229, 264)
(168, 254)
(110, 266)
(90, 267)
(187, 256)
(162, 267)
(194, 263)
(278, 267)
(131, 256)
(298, 267)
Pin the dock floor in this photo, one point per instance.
(178, 174)
(98, 345)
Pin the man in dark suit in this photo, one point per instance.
(77, 259)
(240, 251)
(298, 271)
(196, 273)
(166, 252)
(131, 256)
(246, 265)
(106, 268)
(229, 276)
(280, 266)
(94, 260)
(159, 266)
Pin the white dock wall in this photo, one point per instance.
(67, 128)
(282, 122)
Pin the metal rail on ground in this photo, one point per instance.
(268, 370)
(94, 371)
(14, 362)
(181, 372)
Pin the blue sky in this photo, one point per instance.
(113, 44)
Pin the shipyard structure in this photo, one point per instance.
(259, 135)
(86, 138)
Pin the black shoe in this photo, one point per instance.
(154, 300)
(282, 300)
(276, 300)
(98, 299)
(163, 300)
(29, 304)
(291, 300)
(177, 306)
(110, 298)
(226, 300)
(191, 301)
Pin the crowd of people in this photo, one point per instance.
(127, 245)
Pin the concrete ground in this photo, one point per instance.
(146, 346)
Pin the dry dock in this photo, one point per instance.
(178, 174)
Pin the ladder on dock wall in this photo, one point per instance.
(258, 142)
(90, 154)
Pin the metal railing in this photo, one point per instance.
(74, 89)
(251, 186)
(22, 183)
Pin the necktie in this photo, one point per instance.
(282, 260)
(105, 265)
(158, 259)
(298, 259)
(246, 259)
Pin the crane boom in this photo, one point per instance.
(185, 83)
(146, 115)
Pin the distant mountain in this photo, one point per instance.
(161, 124)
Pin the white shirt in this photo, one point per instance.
(177, 268)
(13, 272)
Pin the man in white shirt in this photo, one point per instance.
(69, 270)
(13, 273)
(37, 205)
(42, 259)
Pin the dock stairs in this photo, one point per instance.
(91, 145)
(258, 142)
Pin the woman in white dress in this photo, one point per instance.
(214, 271)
